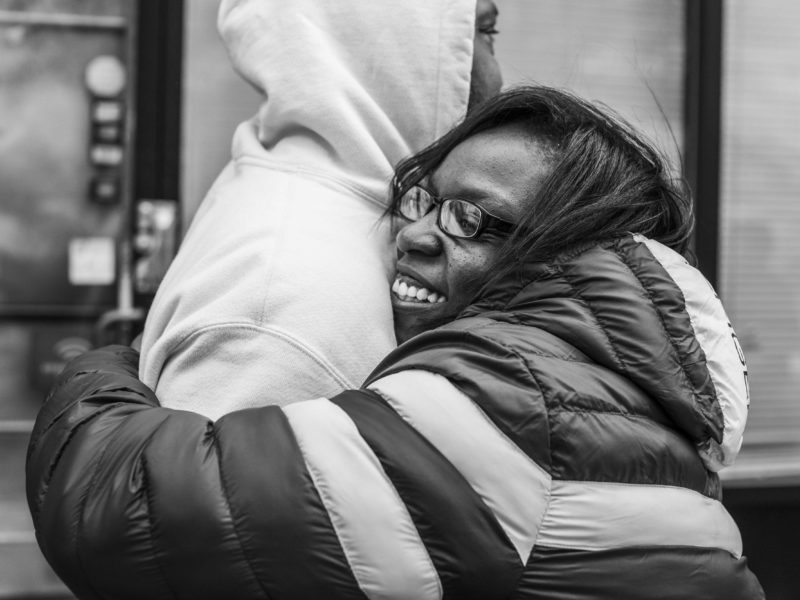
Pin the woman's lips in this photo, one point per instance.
(408, 289)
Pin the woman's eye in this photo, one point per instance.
(494, 234)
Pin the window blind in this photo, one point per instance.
(759, 226)
(627, 54)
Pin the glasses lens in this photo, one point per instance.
(415, 203)
(460, 218)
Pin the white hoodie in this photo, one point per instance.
(280, 291)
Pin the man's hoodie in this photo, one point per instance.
(280, 291)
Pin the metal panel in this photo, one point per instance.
(63, 148)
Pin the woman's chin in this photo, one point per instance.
(413, 318)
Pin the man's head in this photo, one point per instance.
(547, 171)
(486, 78)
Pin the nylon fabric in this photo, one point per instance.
(471, 560)
(624, 448)
(99, 517)
(382, 546)
(726, 364)
(609, 298)
(702, 418)
(516, 493)
(636, 574)
(603, 516)
(61, 512)
(617, 304)
(296, 547)
(497, 380)
(186, 521)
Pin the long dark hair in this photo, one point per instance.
(605, 178)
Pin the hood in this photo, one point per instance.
(351, 87)
(638, 308)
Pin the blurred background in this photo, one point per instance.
(116, 116)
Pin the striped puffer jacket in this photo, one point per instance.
(560, 441)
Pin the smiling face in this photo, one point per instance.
(438, 275)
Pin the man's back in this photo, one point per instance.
(280, 289)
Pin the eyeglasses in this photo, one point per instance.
(457, 218)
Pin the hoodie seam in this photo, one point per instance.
(295, 342)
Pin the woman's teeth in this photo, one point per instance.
(416, 293)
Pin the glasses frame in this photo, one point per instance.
(487, 220)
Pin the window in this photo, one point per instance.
(759, 226)
(627, 54)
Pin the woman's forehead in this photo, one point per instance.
(501, 168)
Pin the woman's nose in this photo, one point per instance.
(421, 236)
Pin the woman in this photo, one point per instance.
(557, 437)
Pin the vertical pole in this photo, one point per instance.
(702, 120)
(158, 98)
(159, 76)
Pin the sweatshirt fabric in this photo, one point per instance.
(560, 439)
(281, 286)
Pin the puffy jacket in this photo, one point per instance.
(557, 441)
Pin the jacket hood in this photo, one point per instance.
(351, 87)
(638, 308)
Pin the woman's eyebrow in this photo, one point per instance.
(488, 202)
(465, 193)
(481, 197)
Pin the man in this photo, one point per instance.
(280, 287)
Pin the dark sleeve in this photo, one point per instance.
(314, 500)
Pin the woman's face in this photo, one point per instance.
(499, 170)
